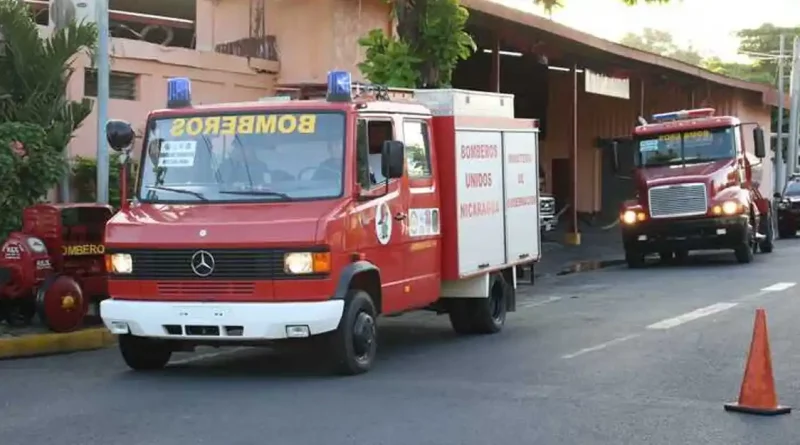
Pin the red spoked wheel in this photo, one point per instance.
(60, 303)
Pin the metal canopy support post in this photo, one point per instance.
(791, 165)
(779, 167)
(103, 73)
(495, 75)
(573, 235)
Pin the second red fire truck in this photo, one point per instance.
(698, 180)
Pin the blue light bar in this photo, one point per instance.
(683, 114)
(179, 92)
(671, 116)
(340, 86)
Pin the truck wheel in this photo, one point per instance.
(353, 346)
(745, 250)
(144, 354)
(634, 259)
(481, 315)
(768, 229)
(787, 232)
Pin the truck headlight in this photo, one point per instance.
(631, 216)
(121, 263)
(36, 245)
(299, 263)
(728, 208)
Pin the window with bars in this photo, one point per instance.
(120, 85)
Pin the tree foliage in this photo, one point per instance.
(661, 42)
(37, 117)
(84, 179)
(431, 41)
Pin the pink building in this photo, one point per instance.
(237, 50)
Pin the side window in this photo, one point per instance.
(418, 159)
(369, 142)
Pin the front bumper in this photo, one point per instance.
(222, 321)
(686, 234)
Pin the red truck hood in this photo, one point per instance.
(716, 171)
(228, 225)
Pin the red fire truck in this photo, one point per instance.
(697, 187)
(280, 220)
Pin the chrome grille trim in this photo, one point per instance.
(676, 200)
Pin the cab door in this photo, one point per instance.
(423, 234)
(381, 211)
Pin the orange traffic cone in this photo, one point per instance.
(757, 395)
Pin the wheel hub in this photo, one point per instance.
(67, 302)
(363, 334)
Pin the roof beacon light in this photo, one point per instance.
(683, 115)
(340, 86)
(179, 92)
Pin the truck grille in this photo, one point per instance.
(678, 200)
(229, 264)
(547, 206)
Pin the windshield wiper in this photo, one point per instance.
(256, 193)
(184, 191)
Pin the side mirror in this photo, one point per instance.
(776, 195)
(758, 140)
(120, 135)
(392, 159)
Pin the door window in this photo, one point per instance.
(371, 135)
(418, 159)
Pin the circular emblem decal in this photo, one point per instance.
(202, 263)
(203, 233)
(383, 223)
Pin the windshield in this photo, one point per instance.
(244, 157)
(792, 189)
(690, 147)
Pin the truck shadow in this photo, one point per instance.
(400, 339)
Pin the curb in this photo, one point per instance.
(52, 343)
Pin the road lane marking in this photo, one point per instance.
(600, 346)
(539, 303)
(670, 323)
(778, 287)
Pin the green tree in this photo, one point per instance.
(34, 73)
(661, 42)
(431, 40)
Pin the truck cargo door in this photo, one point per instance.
(521, 195)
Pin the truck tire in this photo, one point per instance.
(634, 259)
(481, 315)
(768, 229)
(352, 347)
(144, 354)
(745, 250)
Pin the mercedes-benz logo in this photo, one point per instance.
(202, 263)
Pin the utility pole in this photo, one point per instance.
(780, 178)
(103, 73)
(794, 85)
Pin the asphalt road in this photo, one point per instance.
(606, 357)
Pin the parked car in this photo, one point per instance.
(788, 201)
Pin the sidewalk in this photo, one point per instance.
(37, 340)
(599, 248)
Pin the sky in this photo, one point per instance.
(707, 25)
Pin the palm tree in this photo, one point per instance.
(35, 113)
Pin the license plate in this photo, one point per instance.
(200, 312)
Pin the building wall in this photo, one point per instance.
(314, 36)
(602, 116)
(215, 78)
